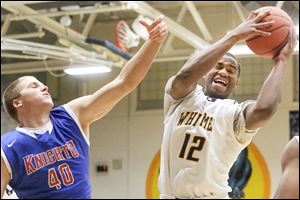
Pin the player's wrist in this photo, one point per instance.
(153, 42)
(233, 35)
(281, 61)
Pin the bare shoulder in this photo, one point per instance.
(291, 152)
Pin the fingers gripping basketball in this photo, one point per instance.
(270, 46)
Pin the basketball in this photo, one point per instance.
(269, 46)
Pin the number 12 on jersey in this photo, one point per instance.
(196, 139)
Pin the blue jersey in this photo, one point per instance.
(49, 163)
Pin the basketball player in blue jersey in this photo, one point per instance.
(288, 187)
(204, 132)
(47, 156)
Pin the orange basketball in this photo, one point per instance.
(269, 46)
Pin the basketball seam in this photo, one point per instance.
(262, 36)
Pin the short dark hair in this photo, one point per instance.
(9, 95)
(239, 65)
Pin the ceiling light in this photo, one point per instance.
(131, 4)
(66, 20)
(83, 70)
(241, 49)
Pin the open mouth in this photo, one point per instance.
(220, 82)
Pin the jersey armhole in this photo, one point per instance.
(74, 117)
(3, 155)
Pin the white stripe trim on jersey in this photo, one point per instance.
(72, 114)
(39, 130)
(3, 155)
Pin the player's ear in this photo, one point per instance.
(237, 82)
(17, 103)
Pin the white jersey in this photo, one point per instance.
(202, 139)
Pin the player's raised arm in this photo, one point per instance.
(197, 66)
(258, 113)
(93, 107)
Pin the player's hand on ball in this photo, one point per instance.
(250, 27)
(288, 49)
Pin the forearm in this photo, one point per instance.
(135, 70)
(270, 92)
(269, 95)
(108, 96)
(205, 60)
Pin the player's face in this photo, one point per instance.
(221, 80)
(33, 93)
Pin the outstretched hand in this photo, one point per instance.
(251, 27)
(288, 49)
(158, 30)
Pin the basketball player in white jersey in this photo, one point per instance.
(204, 131)
(288, 187)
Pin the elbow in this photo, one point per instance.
(128, 85)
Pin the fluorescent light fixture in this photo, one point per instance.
(81, 70)
(131, 5)
(241, 49)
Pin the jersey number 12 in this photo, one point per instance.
(198, 140)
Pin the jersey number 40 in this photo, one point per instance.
(65, 174)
